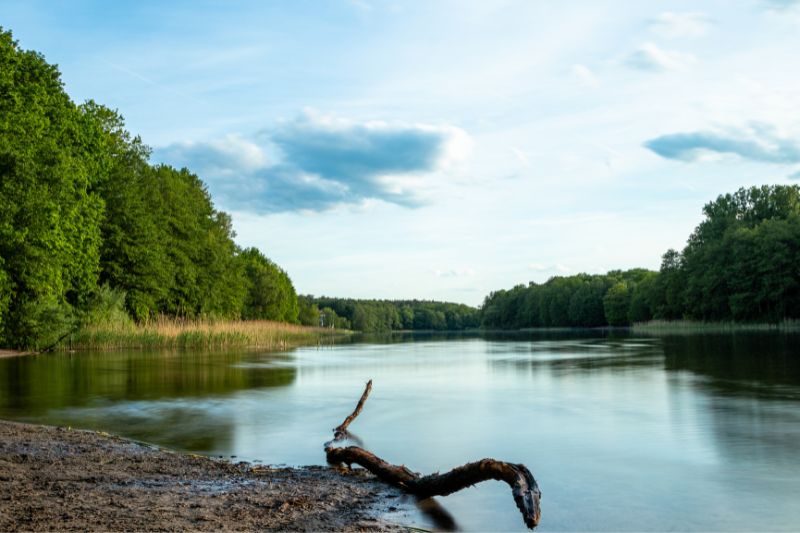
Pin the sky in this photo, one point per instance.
(444, 149)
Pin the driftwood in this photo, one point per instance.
(340, 431)
(523, 486)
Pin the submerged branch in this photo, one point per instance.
(524, 488)
(341, 430)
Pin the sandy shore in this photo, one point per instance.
(12, 353)
(61, 479)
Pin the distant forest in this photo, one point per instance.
(742, 263)
(390, 315)
(89, 227)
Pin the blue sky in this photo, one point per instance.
(441, 150)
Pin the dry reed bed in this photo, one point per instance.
(691, 326)
(177, 333)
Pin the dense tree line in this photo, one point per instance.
(582, 300)
(88, 223)
(741, 263)
(393, 315)
(81, 208)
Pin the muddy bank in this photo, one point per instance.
(61, 479)
(12, 353)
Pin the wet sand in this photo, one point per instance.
(12, 353)
(62, 479)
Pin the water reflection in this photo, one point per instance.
(35, 384)
(753, 385)
(754, 364)
(623, 433)
(162, 397)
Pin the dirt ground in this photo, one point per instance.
(11, 353)
(62, 479)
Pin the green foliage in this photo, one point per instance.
(134, 239)
(5, 296)
(42, 322)
(308, 312)
(80, 206)
(741, 261)
(331, 320)
(740, 264)
(586, 304)
(642, 299)
(388, 315)
(106, 308)
(562, 301)
(270, 293)
(50, 216)
(616, 304)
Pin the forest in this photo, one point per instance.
(87, 223)
(85, 220)
(393, 315)
(741, 264)
(89, 228)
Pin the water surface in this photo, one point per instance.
(688, 433)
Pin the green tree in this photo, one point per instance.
(670, 287)
(739, 263)
(642, 298)
(270, 293)
(616, 304)
(50, 162)
(308, 312)
(586, 303)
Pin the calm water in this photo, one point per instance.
(622, 433)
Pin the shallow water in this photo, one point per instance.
(623, 433)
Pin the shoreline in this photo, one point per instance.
(174, 334)
(4, 352)
(59, 478)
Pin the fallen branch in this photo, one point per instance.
(523, 486)
(341, 430)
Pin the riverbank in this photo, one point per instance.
(62, 479)
(172, 333)
(12, 353)
(666, 327)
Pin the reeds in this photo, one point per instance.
(175, 333)
(691, 326)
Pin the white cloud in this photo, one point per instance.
(455, 273)
(521, 156)
(674, 25)
(584, 75)
(324, 161)
(231, 154)
(781, 4)
(757, 142)
(649, 57)
(552, 268)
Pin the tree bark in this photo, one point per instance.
(341, 429)
(524, 488)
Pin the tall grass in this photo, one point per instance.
(174, 333)
(691, 326)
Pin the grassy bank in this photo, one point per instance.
(176, 333)
(691, 326)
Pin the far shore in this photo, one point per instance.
(59, 478)
(12, 353)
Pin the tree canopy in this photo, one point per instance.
(81, 208)
(393, 315)
(741, 263)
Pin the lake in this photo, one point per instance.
(623, 433)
